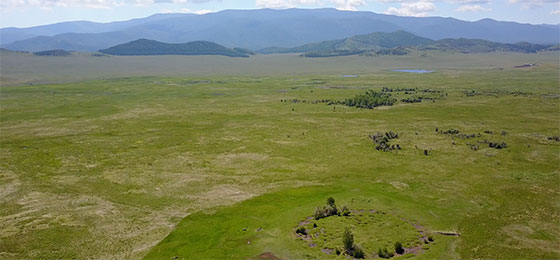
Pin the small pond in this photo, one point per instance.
(415, 71)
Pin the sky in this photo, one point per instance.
(26, 13)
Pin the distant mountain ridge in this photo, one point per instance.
(150, 47)
(257, 29)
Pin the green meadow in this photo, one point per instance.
(213, 159)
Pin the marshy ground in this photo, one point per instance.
(216, 166)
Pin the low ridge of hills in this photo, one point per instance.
(399, 43)
(151, 47)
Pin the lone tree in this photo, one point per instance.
(348, 240)
(330, 202)
(398, 248)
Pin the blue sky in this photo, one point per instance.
(25, 13)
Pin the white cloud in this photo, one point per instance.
(529, 4)
(435, 1)
(61, 3)
(557, 11)
(203, 11)
(285, 3)
(472, 8)
(533, 1)
(417, 9)
(8, 4)
(350, 5)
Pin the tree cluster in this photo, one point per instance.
(330, 210)
(370, 99)
(381, 141)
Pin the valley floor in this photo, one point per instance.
(223, 162)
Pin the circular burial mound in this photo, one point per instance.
(372, 231)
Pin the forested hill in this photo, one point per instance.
(150, 47)
(400, 43)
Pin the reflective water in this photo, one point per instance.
(416, 71)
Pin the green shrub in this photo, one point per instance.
(318, 213)
(330, 211)
(399, 248)
(330, 202)
(301, 230)
(358, 252)
(384, 253)
(348, 240)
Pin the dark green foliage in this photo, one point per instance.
(384, 253)
(399, 51)
(58, 53)
(331, 202)
(480, 46)
(348, 240)
(381, 141)
(431, 239)
(331, 211)
(497, 145)
(149, 47)
(318, 213)
(370, 99)
(331, 53)
(358, 252)
(337, 251)
(301, 230)
(314, 225)
(399, 248)
(450, 132)
(327, 211)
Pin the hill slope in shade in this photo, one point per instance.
(150, 47)
(257, 29)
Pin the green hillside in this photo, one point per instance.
(150, 47)
(383, 40)
(399, 43)
(355, 44)
(480, 46)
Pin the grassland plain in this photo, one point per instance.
(218, 167)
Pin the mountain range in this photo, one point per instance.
(258, 29)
